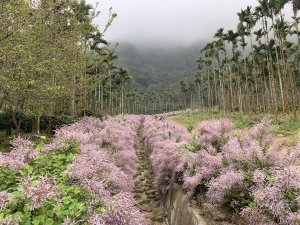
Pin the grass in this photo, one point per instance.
(284, 125)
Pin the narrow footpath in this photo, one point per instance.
(145, 193)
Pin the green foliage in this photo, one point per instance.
(73, 205)
(73, 200)
(238, 198)
(53, 164)
(190, 147)
(52, 57)
(5, 141)
(8, 179)
(219, 143)
(190, 128)
(291, 196)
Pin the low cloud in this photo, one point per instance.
(169, 21)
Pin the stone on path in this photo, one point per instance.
(145, 193)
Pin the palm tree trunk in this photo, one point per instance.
(209, 93)
(294, 91)
(240, 93)
(246, 83)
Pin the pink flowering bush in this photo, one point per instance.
(121, 210)
(249, 171)
(22, 153)
(252, 174)
(106, 165)
(164, 139)
(9, 221)
(100, 167)
(5, 199)
(211, 134)
(277, 197)
(89, 168)
(219, 187)
(40, 192)
(198, 168)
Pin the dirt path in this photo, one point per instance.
(145, 193)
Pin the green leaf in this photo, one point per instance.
(35, 222)
(49, 221)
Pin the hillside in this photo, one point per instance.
(159, 67)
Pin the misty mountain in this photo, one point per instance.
(159, 67)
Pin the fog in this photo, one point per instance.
(146, 22)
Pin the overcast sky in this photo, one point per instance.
(173, 21)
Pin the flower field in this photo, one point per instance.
(86, 175)
(248, 172)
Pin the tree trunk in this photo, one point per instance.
(1, 102)
(110, 93)
(231, 90)
(240, 96)
(271, 70)
(294, 92)
(246, 83)
(208, 92)
(16, 121)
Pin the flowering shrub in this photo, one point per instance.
(211, 134)
(22, 153)
(84, 175)
(163, 139)
(247, 171)
(5, 199)
(40, 192)
(277, 199)
(121, 210)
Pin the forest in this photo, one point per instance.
(253, 69)
(100, 132)
(159, 68)
(264, 79)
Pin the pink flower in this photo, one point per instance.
(270, 198)
(217, 187)
(259, 178)
(22, 153)
(263, 132)
(122, 210)
(5, 199)
(254, 217)
(214, 130)
(9, 221)
(39, 193)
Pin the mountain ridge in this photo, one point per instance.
(158, 67)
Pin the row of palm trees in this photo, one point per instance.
(254, 68)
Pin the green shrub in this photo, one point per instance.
(72, 199)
